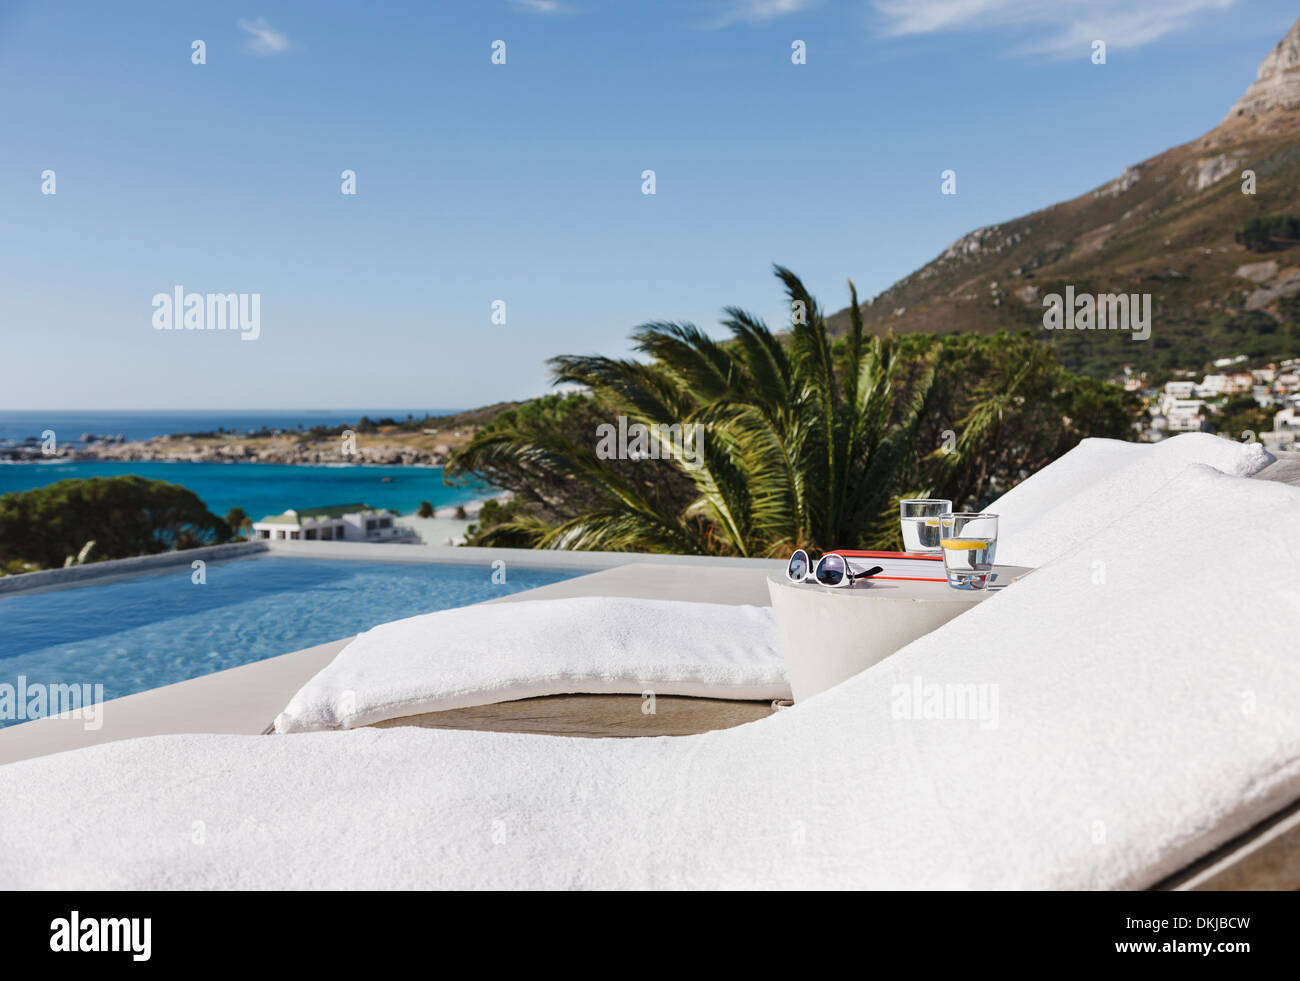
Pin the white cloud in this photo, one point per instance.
(1050, 26)
(540, 6)
(263, 38)
(758, 11)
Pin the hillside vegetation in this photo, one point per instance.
(1222, 266)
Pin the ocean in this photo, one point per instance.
(265, 488)
(259, 488)
(17, 425)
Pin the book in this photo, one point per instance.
(919, 566)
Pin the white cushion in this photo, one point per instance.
(497, 652)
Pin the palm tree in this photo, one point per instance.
(806, 442)
(803, 443)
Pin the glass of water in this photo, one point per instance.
(920, 518)
(969, 543)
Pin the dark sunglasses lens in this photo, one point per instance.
(798, 565)
(830, 571)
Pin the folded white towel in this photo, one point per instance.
(497, 652)
(1099, 503)
(1094, 460)
(1230, 457)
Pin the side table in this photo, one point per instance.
(828, 635)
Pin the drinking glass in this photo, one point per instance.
(969, 543)
(920, 520)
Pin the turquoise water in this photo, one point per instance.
(134, 634)
(265, 488)
(17, 425)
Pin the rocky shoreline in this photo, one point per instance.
(424, 443)
(367, 451)
(236, 453)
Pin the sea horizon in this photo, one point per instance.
(135, 425)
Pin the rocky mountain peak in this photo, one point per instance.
(1166, 226)
(1277, 84)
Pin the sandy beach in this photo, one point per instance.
(444, 528)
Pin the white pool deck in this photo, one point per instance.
(247, 699)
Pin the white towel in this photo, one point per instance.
(1093, 460)
(1097, 504)
(496, 652)
(1144, 713)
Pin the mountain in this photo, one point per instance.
(1167, 226)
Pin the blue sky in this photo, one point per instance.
(522, 182)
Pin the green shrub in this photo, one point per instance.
(123, 516)
(1266, 234)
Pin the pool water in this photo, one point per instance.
(159, 628)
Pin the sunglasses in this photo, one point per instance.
(832, 569)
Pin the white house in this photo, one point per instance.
(1177, 397)
(1184, 416)
(1224, 362)
(1239, 383)
(341, 522)
(1212, 385)
(1287, 420)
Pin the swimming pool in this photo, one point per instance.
(158, 628)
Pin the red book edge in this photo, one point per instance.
(859, 554)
